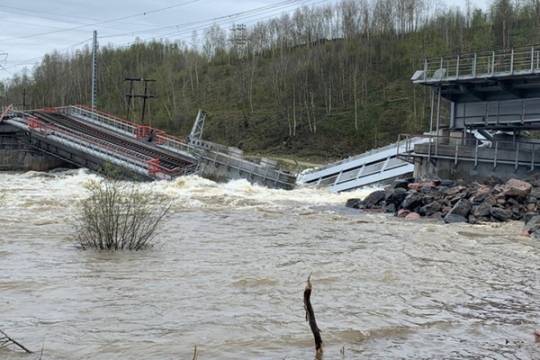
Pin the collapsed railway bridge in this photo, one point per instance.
(51, 137)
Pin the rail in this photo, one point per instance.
(518, 61)
(100, 117)
(517, 152)
(134, 130)
(85, 142)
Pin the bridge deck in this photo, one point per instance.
(72, 124)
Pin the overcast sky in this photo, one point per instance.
(31, 28)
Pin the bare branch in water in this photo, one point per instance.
(195, 353)
(310, 318)
(6, 340)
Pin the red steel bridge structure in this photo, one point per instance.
(92, 139)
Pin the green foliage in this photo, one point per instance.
(293, 90)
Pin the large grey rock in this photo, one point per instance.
(500, 214)
(454, 218)
(412, 201)
(390, 208)
(461, 208)
(396, 196)
(374, 199)
(482, 210)
(533, 225)
(400, 184)
(353, 203)
(430, 209)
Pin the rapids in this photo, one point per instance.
(228, 274)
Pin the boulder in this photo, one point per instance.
(517, 188)
(353, 203)
(454, 218)
(472, 219)
(500, 214)
(447, 183)
(480, 194)
(430, 209)
(396, 197)
(517, 212)
(461, 208)
(455, 190)
(403, 213)
(374, 199)
(532, 225)
(412, 201)
(535, 192)
(400, 184)
(482, 210)
(425, 186)
(416, 186)
(412, 216)
(390, 208)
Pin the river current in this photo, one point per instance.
(229, 270)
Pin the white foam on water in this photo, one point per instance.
(64, 188)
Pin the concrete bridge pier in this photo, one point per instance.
(16, 153)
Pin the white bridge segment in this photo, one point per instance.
(369, 168)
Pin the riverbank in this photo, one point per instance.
(458, 202)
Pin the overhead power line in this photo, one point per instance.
(106, 21)
(182, 33)
(198, 22)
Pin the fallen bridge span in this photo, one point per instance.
(93, 139)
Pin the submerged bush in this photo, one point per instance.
(119, 216)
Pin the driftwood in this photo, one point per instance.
(195, 353)
(310, 318)
(6, 340)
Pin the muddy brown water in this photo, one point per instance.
(229, 271)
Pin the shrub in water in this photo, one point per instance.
(119, 216)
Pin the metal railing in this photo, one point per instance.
(125, 126)
(517, 152)
(100, 117)
(525, 60)
(86, 143)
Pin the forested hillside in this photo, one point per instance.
(326, 81)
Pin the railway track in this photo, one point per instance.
(169, 162)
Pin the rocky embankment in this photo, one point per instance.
(457, 202)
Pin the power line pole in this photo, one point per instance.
(94, 70)
(145, 96)
(130, 95)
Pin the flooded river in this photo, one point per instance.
(229, 272)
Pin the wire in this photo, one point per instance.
(225, 19)
(56, 15)
(230, 16)
(37, 58)
(251, 19)
(105, 21)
